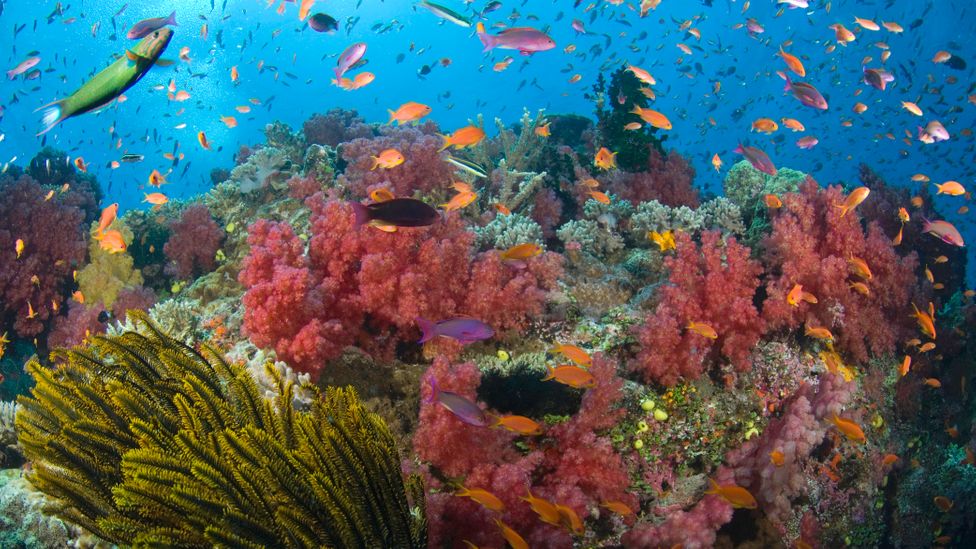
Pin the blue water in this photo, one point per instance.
(298, 65)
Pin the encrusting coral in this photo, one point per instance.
(146, 441)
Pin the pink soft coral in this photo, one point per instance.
(811, 245)
(666, 179)
(360, 286)
(422, 170)
(574, 466)
(54, 246)
(712, 284)
(193, 243)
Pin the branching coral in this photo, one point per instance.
(359, 286)
(146, 441)
(518, 146)
(194, 240)
(267, 166)
(53, 246)
(713, 284)
(811, 245)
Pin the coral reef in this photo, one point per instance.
(667, 179)
(335, 127)
(193, 243)
(159, 420)
(35, 281)
(266, 167)
(714, 285)
(108, 272)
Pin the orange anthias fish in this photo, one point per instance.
(570, 520)
(773, 202)
(906, 365)
(460, 200)
(665, 241)
(797, 295)
(618, 507)
(202, 138)
(543, 130)
(572, 375)
(951, 188)
(381, 195)
(818, 332)
(467, 136)
(925, 322)
(793, 62)
(853, 200)
(483, 497)
(521, 252)
(518, 424)
(388, 159)
(850, 429)
(764, 125)
(777, 458)
(717, 163)
(156, 199)
(112, 242)
(546, 510)
(19, 247)
(642, 75)
(156, 179)
(737, 496)
(409, 112)
(573, 353)
(599, 196)
(889, 459)
(605, 160)
(653, 118)
(702, 329)
(859, 267)
(511, 536)
(107, 217)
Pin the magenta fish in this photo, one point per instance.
(23, 67)
(757, 158)
(877, 78)
(944, 230)
(807, 142)
(524, 39)
(147, 26)
(460, 406)
(754, 26)
(578, 26)
(350, 57)
(464, 330)
(806, 94)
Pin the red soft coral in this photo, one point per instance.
(360, 286)
(193, 243)
(666, 179)
(422, 170)
(54, 245)
(811, 245)
(712, 284)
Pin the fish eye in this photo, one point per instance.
(156, 34)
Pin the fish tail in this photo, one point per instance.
(739, 149)
(52, 115)
(428, 328)
(714, 487)
(362, 214)
(392, 116)
(172, 19)
(487, 40)
(432, 381)
(550, 373)
(843, 209)
(376, 162)
(447, 142)
(789, 83)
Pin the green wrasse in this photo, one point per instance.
(112, 82)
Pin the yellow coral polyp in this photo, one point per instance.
(660, 415)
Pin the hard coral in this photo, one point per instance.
(54, 246)
(359, 286)
(193, 243)
(422, 171)
(811, 245)
(714, 284)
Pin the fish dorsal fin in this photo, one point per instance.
(132, 56)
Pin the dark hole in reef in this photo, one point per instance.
(523, 392)
(747, 529)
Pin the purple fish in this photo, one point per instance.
(944, 231)
(147, 26)
(877, 78)
(807, 94)
(350, 57)
(23, 67)
(757, 158)
(524, 39)
(323, 22)
(461, 407)
(465, 330)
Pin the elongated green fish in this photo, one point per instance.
(112, 82)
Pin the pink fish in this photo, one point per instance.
(805, 93)
(350, 57)
(23, 67)
(147, 26)
(808, 142)
(757, 158)
(578, 26)
(524, 39)
(754, 26)
(877, 78)
(933, 131)
(944, 230)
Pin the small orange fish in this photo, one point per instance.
(605, 160)
(777, 458)
(518, 424)
(702, 329)
(511, 536)
(19, 247)
(229, 121)
(926, 347)
(78, 296)
(797, 295)
(853, 200)
(933, 383)
(818, 332)
(501, 208)
(460, 200)
(408, 112)
(906, 365)
(653, 118)
(793, 124)
(737, 496)
(381, 195)
(850, 429)
(546, 510)
(925, 322)
(570, 520)
(521, 252)
(764, 125)
(112, 242)
(202, 138)
(618, 507)
(859, 267)
(157, 199)
(793, 62)
(483, 497)
(571, 375)
(889, 459)
(903, 215)
(633, 126)
(543, 130)
(717, 163)
(467, 136)
(951, 188)
(896, 241)
(860, 288)
(573, 353)
(943, 503)
(233, 73)
(600, 197)
(388, 159)
(773, 202)
(80, 164)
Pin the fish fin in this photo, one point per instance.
(161, 62)
(132, 56)
(714, 487)
(428, 328)
(447, 142)
(434, 389)
(392, 116)
(376, 162)
(789, 83)
(739, 149)
(550, 373)
(172, 19)
(52, 115)
(487, 40)
(362, 214)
